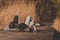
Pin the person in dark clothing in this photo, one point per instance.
(22, 26)
(12, 24)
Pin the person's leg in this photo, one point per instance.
(28, 20)
(35, 29)
(32, 26)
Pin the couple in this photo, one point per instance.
(29, 22)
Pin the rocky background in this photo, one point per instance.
(43, 11)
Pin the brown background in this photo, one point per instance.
(23, 8)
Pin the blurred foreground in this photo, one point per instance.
(46, 33)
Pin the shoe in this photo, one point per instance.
(37, 24)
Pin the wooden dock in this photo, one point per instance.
(46, 34)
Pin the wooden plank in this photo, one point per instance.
(26, 36)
